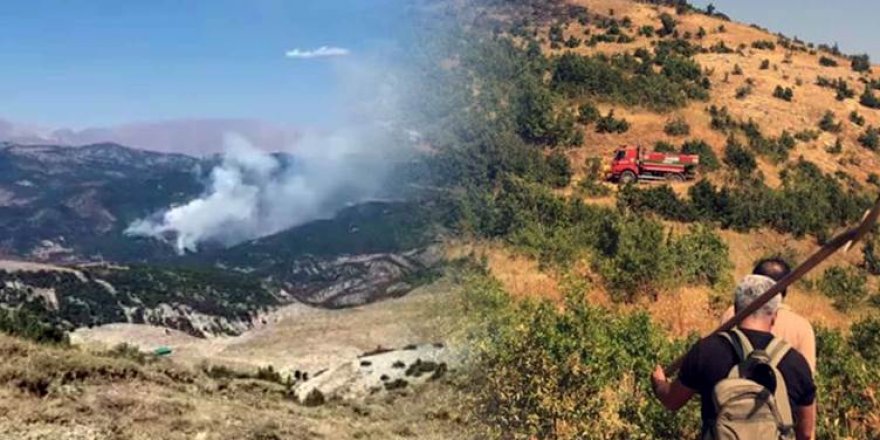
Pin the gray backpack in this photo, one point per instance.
(752, 402)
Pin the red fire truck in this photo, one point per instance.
(631, 164)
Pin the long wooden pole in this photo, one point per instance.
(844, 239)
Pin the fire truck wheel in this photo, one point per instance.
(628, 177)
(675, 177)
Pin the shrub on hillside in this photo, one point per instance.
(664, 147)
(861, 63)
(828, 123)
(869, 99)
(539, 122)
(588, 113)
(870, 139)
(551, 372)
(559, 167)
(721, 119)
(700, 257)
(738, 158)
(591, 185)
(765, 64)
(668, 24)
(677, 126)
(856, 118)
(836, 148)
(708, 159)
(847, 383)
(847, 287)
(785, 94)
(628, 270)
(744, 91)
(827, 62)
(866, 338)
(764, 44)
(871, 251)
(609, 124)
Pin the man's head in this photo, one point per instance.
(748, 290)
(774, 267)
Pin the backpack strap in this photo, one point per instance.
(776, 350)
(745, 344)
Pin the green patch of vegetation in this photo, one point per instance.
(609, 124)
(785, 94)
(827, 61)
(861, 63)
(677, 126)
(738, 158)
(856, 118)
(626, 80)
(870, 139)
(829, 123)
(708, 159)
(847, 287)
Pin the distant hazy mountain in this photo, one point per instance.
(59, 202)
(188, 136)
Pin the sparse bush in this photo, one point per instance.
(765, 64)
(608, 124)
(856, 118)
(588, 113)
(861, 63)
(646, 31)
(677, 126)
(743, 92)
(572, 42)
(721, 119)
(664, 147)
(837, 148)
(764, 44)
(785, 94)
(807, 135)
(870, 139)
(827, 62)
(847, 287)
(737, 70)
(669, 23)
(828, 123)
(869, 99)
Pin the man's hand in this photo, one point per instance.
(658, 377)
(672, 395)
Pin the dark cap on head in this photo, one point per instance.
(774, 267)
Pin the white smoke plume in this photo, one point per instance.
(253, 193)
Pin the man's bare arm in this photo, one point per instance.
(806, 422)
(673, 395)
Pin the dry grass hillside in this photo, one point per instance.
(213, 388)
(787, 68)
(797, 67)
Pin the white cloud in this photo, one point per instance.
(321, 52)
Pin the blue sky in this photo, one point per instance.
(81, 63)
(850, 23)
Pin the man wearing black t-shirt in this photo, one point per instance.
(710, 360)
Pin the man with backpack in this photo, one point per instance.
(794, 328)
(752, 385)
